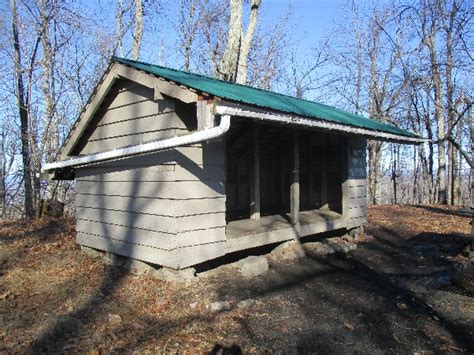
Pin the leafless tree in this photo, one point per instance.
(23, 99)
(235, 62)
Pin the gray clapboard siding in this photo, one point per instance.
(136, 251)
(189, 256)
(200, 237)
(151, 206)
(171, 202)
(193, 172)
(356, 183)
(122, 114)
(164, 224)
(138, 125)
(153, 173)
(167, 189)
(184, 156)
(197, 222)
(160, 240)
(193, 207)
(130, 117)
(357, 191)
(127, 112)
(103, 145)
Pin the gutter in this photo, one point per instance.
(243, 111)
(192, 138)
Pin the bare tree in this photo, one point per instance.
(189, 22)
(23, 99)
(138, 30)
(235, 62)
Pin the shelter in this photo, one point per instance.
(176, 169)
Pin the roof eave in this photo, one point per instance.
(233, 109)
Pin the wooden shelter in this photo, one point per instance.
(177, 169)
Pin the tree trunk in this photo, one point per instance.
(438, 101)
(235, 62)
(119, 35)
(375, 150)
(228, 69)
(137, 36)
(246, 42)
(23, 111)
(2, 175)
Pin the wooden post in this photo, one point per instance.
(324, 172)
(345, 176)
(295, 182)
(255, 176)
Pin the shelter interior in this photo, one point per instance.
(268, 166)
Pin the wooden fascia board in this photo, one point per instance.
(159, 85)
(91, 108)
(117, 71)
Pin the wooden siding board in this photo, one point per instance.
(156, 206)
(159, 240)
(197, 222)
(189, 256)
(167, 189)
(105, 145)
(192, 207)
(194, 172)
(139, 110)
(152, 206)
(135, 251)
(199, 237)
(138, 125)
(153, 173)
(356, 183)
(131, 219)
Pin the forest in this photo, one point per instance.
(409, 64)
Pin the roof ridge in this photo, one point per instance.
(232, 83)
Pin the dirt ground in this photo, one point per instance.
(394, 294)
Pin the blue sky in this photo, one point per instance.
(313, 19)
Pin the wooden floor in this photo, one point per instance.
(248, 233)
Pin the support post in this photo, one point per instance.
(324, 172)
(255, 176)
(295, 181)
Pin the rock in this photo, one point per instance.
(137, 267)
(114, 319)
(114, 259)
(290, 250)
(184, 276)
(91, 252)
(348, 238)
(339, 246)
(253, 266)
(218, 306)
(245, 303)
(193, 305)
(317, 248)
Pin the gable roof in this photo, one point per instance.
(264, 99)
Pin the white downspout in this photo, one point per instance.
(193, 138)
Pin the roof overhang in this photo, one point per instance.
(163, 86)
(247, 111)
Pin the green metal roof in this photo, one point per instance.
(264, 99)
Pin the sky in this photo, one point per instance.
(311, 21)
